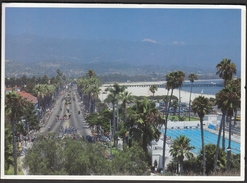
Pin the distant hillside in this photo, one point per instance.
(37, 56)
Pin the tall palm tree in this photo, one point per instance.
(94, 93)
(175, 106)
(172, 81)
(192, 77)
(236, 84)
(202, 106)
(180, 82)
(115, 91)
(37, 90)
(153, 88)
(225, 70)
(126, 97)
(220, 102)
(14, 107)
(181, 146)
(86, 93)
(167, 98)
(231, 104)
(111, 98)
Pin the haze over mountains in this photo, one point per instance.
(36, 55)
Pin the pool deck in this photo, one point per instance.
(235, 138)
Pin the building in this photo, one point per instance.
(17, 89)
(29, 98)
(156, 151)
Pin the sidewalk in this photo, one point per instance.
(29, 144)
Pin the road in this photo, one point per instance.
(76, 120)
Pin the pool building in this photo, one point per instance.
(192, 130)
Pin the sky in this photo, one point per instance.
(163, 26)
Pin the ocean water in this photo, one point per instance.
(204, 89)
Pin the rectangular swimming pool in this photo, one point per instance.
(195, 136)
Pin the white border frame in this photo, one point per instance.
(144, 6)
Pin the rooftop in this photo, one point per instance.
(28, 97)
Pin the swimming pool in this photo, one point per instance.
(195, 137)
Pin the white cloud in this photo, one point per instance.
(178, 43)
(150, 40)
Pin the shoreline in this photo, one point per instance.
(144, 91)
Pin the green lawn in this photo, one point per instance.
(10, 171)
(186, 118)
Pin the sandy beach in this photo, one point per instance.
(144, 91)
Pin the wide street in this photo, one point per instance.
(76, 121)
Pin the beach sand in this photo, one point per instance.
(144, 91)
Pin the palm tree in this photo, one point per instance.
(175, 106)
(192, 77)
(231, 104)
(148, 120)
(180, 82)
(14, 108)
(126, 97)
(236, 84)
(172, 82)
(153, 88)
(113, 98)
(94, 93)
(226, 69)
(202, 106)
(181, 146)
(86, 93)
(37, 90)
(220, 102)
(90, 73)
(167, 98)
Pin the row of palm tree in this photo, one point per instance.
(88, 88)
(228, 100)
(116, 94)
(45, 95)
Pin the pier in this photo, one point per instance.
(162, 84)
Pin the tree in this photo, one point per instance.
(180, 147)
(14, 108)
(210, 150)
(8, 147)
(226, 69)
(172, 81)
(126, 97)
(192, 77)
(220, 102)
(45, 80)
(130, 161)
(231, 103)
(148, 120)
(180, 82)
(113, 98)
(201, 106)
(153, 88)
(175, 106)
(236, 85)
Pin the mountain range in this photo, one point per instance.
(36, 55)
